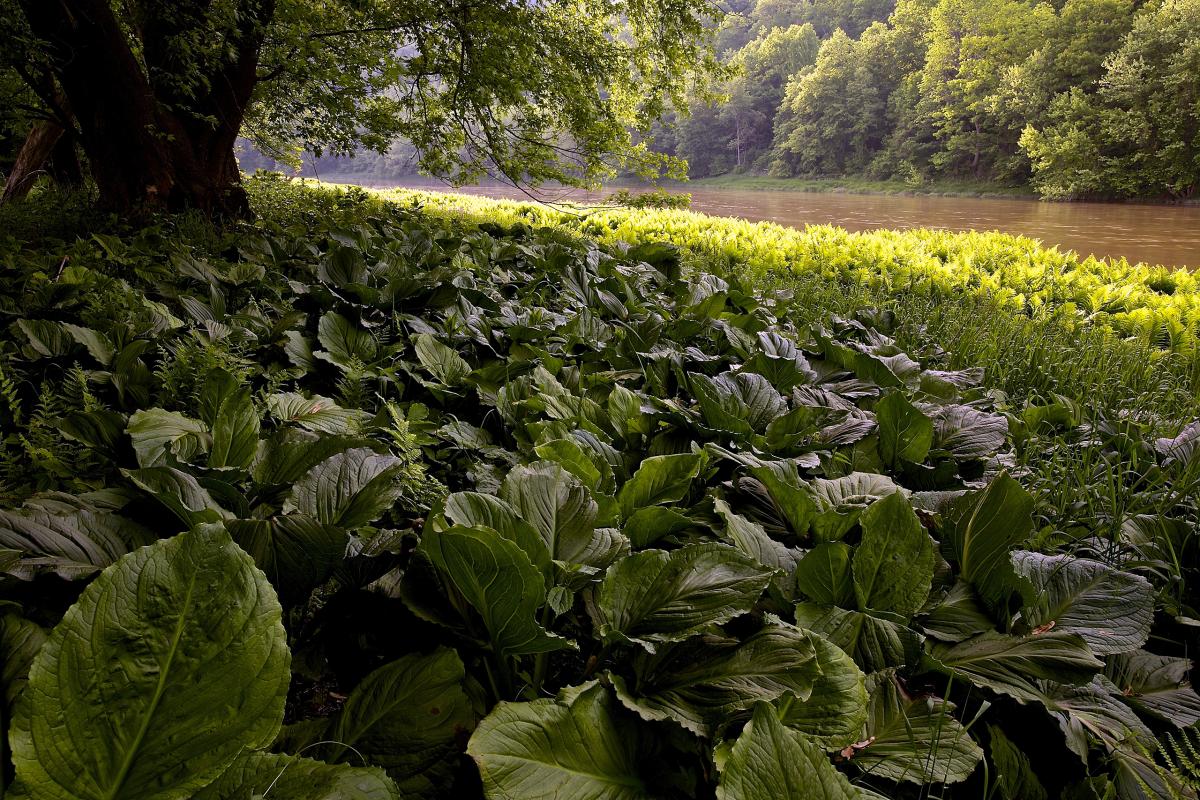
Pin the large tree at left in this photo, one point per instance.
(155, 93)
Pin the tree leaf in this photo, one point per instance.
(770, 761)
(571, 748)
(1009, 664)
(979, 531)
(350, 489)
(170, 665)
(893, 565)
(905, 434)
(495, 576)
(655, 596)
(704, 682)
(293, 777)
(407, 717)
(659, 480)
(1111, 610)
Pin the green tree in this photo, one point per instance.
(158, 91)
(1138, 134)
(974, 45)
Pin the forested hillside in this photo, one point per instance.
(1083, 98)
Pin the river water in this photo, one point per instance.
(1156, 234)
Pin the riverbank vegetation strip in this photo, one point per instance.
(464, 506)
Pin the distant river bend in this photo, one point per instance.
(1155, 234)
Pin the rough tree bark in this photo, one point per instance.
(35, 151)
(148, 148)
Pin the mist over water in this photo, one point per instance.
(1155, 234)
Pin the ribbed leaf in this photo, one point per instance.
(770, 761)
(572, 748)
(836, 710)
(654, 596)
(1111, 610)
(1010, 664)
(703, 682)
(171, 663)
(269, 775)
(893, 564)
(981, 529)
(349, 489)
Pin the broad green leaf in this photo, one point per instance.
(836, 710)
(349, 489)
(893, 565)
(1014, 775)
(655, 596)
(1111, 610)
(406, 717)
(345, 341)
(20, 641)
(905, 434)
(495, 576)
(159, 435)
(824, 576)
(296, 552)
(958, 616)
(1155, 685)
(704, 682)
(290, 452)
(1093, 712)
(97, 344)
(793, 496)
(180, 493)
(269, 775)
(572, 748)
(46, 338)
(914, 739)
(979, 532)
(595, 473)
(841, 501)
(752, 539)
(442, 362)
(316, 413)
(660, 480)
(1009, 664)
(226, 406)
(558, 506)
(171, 664)
(476, 510)
(874, 640)
(648, 525)
(742, 403)
(965, 432)
(770, 761)
(71, 545)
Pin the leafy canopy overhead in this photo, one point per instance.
(547, 90)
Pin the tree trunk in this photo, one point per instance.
(148, 149)
(41, 141)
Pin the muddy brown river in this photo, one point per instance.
(1156, 234)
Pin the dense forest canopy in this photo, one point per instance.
(156, 92)
(1080, 98)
